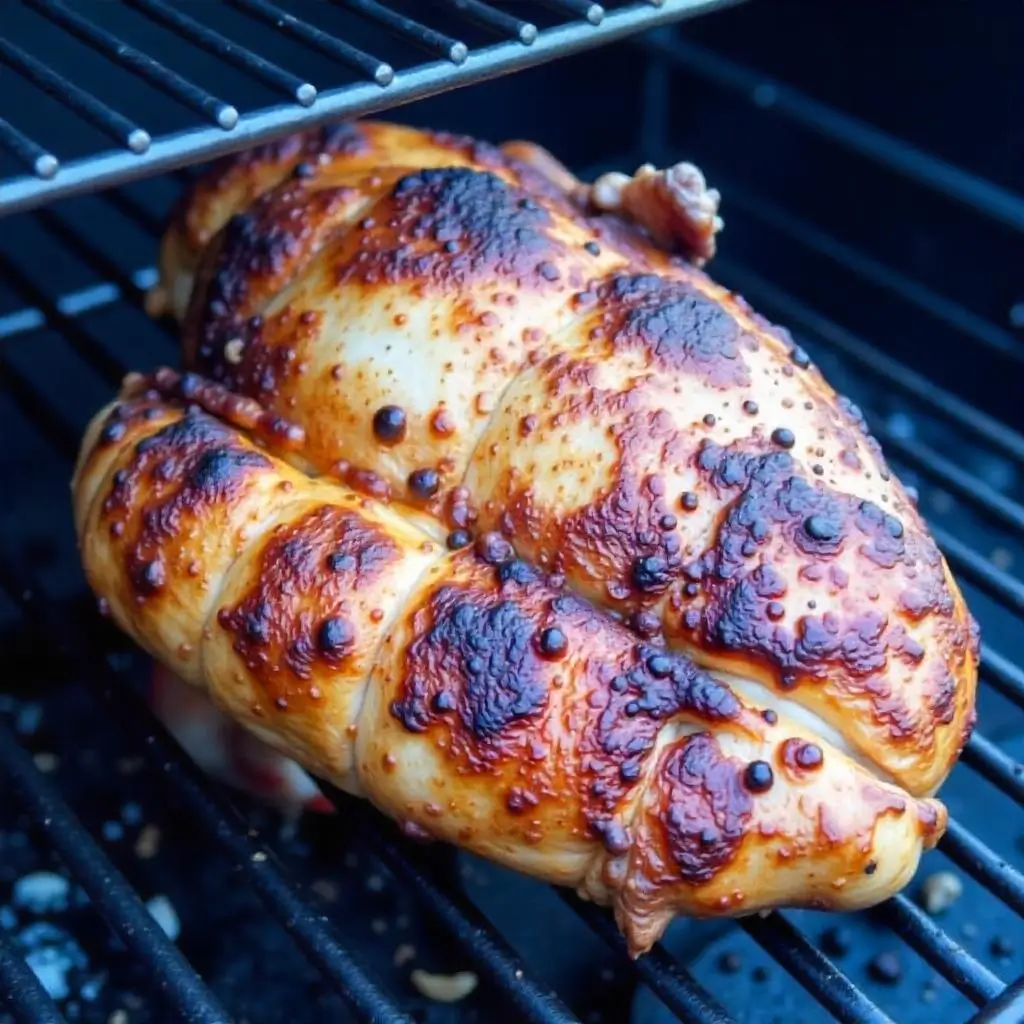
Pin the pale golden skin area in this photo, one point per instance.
(463, 345)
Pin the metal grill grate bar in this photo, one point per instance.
(1001, 770)
(1002, 674)
(813, 970)
(1007, 1009)
(115, 125)
(877, 364)
(931, 302)
(983, 864)
(21, 991)
(211, 811)
(282, 21)
(673, 985)
(498, 21)
(950, 959)
(489, 951)
(30, 153)
(887, 150)
(108, 889)
(138, 63)
(213, 42)
(411, 31)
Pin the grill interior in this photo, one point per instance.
(307, 923)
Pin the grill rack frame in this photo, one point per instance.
(776, 934)
(222, 129)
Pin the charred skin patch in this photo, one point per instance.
(703, 809)
(186, 469)
(256, 254)
(476, 668)
(780, 527)
(297, 612)
(451, 227)
(678, 328)
(261, 167)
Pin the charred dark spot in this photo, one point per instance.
(294, 614)
(800, 357)
(799, 755)
(458, 539)
(336, 638)
(450, 226)
(750, 407)
(689, 501)
(758, 777)
(676, 326)
(651, 573)
(424, 483)
(705, 808)
(494, 549)
(113, 432)
(484, 652)
(783, 437)
(770, 716)
(389, 424)
(553, 643)
(593, 248)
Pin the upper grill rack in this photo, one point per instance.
(998, 1003)
(342, 42)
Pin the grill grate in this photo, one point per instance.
(69, 315)
(500, 43)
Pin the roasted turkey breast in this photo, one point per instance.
(481, 500)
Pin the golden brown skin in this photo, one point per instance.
(455, 333)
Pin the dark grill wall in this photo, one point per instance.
(841, 236)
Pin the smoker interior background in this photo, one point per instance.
(870, 159)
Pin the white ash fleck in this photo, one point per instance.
(162, 911)
(118, 1017)
(46, 762)
(28, 719)
(8, 918)
(375, 883)
(940, 891)
(378, 926)
(147, 845)
(444, 988)
(42, 892)
(350, 860)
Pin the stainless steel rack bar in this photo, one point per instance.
(21, 991)
(379, 91)
(213, 42)
(379, 71)
(410, 31)
(139, 63)
(109, 121)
